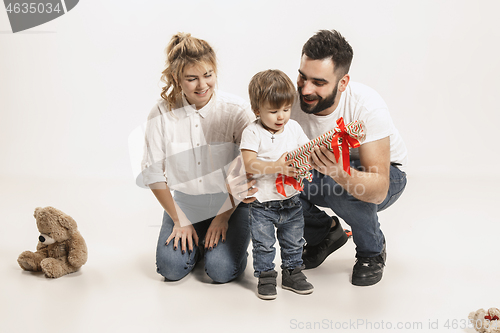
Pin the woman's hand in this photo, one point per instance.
(216, 231)
(186, 235)
(240, 183)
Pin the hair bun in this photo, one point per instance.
(183, 35)
(180, 37)
(177, 46)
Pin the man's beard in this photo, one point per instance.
(323, 103)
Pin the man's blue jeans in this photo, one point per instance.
(223, 263)
(361, 216)
(288, 218)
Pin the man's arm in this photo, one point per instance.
(371, 184)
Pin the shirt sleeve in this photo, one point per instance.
(378, 125)
(250, 139)
(153, 163)
(298, 132)
(302, 137)
(244, 118)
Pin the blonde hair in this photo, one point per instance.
(271, 86)
(183, 50)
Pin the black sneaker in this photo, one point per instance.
(266, 289)
(368, 271)
(296, 281)
(313, 256)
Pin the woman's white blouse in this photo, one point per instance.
(191, 149)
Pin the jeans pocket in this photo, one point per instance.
(296, 200)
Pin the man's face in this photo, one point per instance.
(317, 86)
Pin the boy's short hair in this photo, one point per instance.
(271, 86)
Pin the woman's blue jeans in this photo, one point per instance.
(361, 216)
(223, 263)
(288, 218)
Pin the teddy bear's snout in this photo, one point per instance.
(46, 239)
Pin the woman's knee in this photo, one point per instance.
(173, 265)
(223, 270)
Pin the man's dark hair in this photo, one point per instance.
(330, 44)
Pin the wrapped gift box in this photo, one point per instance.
(338, 141)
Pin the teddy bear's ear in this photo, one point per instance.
(37, 209)
(67, 222)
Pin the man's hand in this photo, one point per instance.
(369, 185)
(323, 160)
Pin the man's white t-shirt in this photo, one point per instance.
(357, 102)
(256, 138)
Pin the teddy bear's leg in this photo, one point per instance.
(30, 261)
(54, 268)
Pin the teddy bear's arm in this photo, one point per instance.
(77, 254)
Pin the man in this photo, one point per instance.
(376, 181)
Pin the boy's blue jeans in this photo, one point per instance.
(361, 216)
(288, 218)
(224, 262)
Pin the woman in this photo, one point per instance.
(193, 133)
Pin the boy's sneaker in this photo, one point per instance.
(295, 280)
(266, 289)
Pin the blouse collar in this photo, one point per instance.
(191, 109)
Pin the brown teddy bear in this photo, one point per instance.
(486, 321)
(61, 249)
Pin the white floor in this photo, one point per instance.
(441, 244)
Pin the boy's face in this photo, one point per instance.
(274, 119)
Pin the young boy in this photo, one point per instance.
(264, 145)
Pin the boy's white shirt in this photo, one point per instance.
(256, 138)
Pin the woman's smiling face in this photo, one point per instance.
(198, 84)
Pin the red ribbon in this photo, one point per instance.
(346, 142)
(283, 180)
(490, 318)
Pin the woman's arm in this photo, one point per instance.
(183, 229)
(255, 166)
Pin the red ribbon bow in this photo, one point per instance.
(346, 142)
(490, 318)
(283, 180)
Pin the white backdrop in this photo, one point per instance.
(72, 90)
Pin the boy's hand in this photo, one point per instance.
(285, 167)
